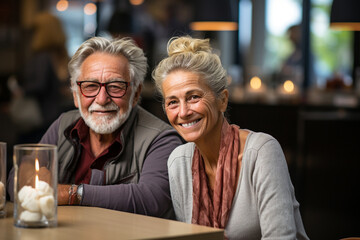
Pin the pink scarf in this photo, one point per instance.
(214, 209)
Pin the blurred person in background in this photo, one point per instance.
(42, 91)
(293, 66)
(8, 130)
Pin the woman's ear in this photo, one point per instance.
(223, 100)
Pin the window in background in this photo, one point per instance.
(332, 49)
(73, 23)
(80, 20)
(268, 49)
(331, 54)
(280, 16)
(283, 41)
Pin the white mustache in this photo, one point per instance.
(109, 107)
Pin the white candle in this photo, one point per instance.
(36, 201)
(28, 198)
(47, 204)
(29, 216)
(44, 189)
(40, 201)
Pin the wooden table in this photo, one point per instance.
(77, 222)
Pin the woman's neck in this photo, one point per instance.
(209, 150)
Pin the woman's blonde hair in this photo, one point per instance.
(193, 55)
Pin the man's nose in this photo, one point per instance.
(103, 97)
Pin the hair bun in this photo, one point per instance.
(179, 45)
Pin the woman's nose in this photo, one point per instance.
(184, 110)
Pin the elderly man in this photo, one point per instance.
(112, 153)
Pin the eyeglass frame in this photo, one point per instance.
(127, 84)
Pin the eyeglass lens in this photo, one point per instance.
(114, 89)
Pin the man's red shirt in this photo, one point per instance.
(87, 159)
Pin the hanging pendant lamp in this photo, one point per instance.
(345, 15)
(214, 15)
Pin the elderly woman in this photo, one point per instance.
(224, 177)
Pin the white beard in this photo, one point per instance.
(104, 124)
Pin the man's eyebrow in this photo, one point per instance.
(90, 79)
(109, 80)
(116, 79)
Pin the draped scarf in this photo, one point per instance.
(213, 208)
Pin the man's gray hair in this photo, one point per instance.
(123, 46)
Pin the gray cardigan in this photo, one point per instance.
(264, 205)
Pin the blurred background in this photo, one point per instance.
(292, 74)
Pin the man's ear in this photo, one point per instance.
(137, 95)
(75, 99)
(223, 100)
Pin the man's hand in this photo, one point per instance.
(63, 194)
(64, 191)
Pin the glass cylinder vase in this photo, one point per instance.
(35, 185)
(3, 160)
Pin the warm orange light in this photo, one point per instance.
(90, 9)
(62, 5)
(36, 182)
(37, 168)
(255, 83)
(345, 26)
(136, 2)
(214, 26)
(288, 86)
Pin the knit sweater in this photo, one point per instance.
(264, 205)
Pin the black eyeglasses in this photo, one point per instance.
(115, 89)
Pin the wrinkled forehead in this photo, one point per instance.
(103, 66)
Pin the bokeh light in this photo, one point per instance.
(136, 2)
(255, 83)
(62, 5)
(90, 9)
(288, 86)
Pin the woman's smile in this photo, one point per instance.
(190, 124)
